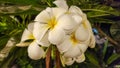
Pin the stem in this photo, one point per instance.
(48, 54)
(57, 59)
(109, 38)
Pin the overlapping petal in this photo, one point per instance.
(43, 17)
(83, 47)
(56, 36)
(67, 23)
(65, 45)
(58, 12)
(76, 10)
(82, 34)
(73, 52)
(69, 61)
(39, 30)
(80, 58)
(27, 35)
(31, 27)
(44, 41)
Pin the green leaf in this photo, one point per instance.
(29, 66)
(105, 48)
(96, 14)
(101, 9)
(21, 2)
(3, 40)
(113, 58)
(101, 20)
(92, 58)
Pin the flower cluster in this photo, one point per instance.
(66, 28)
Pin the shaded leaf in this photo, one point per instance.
(92, 58)
(113, 58)
(105, 48)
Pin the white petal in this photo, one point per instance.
(67, 23)
(76, 10)
(83, 47)
(81, 58)
(92, 38)
(23, 44)
(92, 42)
(27, 35)
(57, 12)
(68, 61)
(35, 52)
(30, 27)
(44, 41)
(74, 51)
(61, 4)
(77, 18)
(43, 16)
(56, 36)
(82, 34)
(64, 46)
(39, 30)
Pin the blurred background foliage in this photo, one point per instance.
(104, 16)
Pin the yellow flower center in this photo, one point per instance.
(31, 37)
(52, 22)
(73, 39)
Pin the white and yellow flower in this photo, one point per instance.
(76, 43)
(67, 28)
(56, 23)
(34, 50)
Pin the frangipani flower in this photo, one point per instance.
(56, 22)
(76, 43)
(67, 28)
(34, 50)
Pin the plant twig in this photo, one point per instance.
(57, 59)
(109, 38)
(48, 54)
